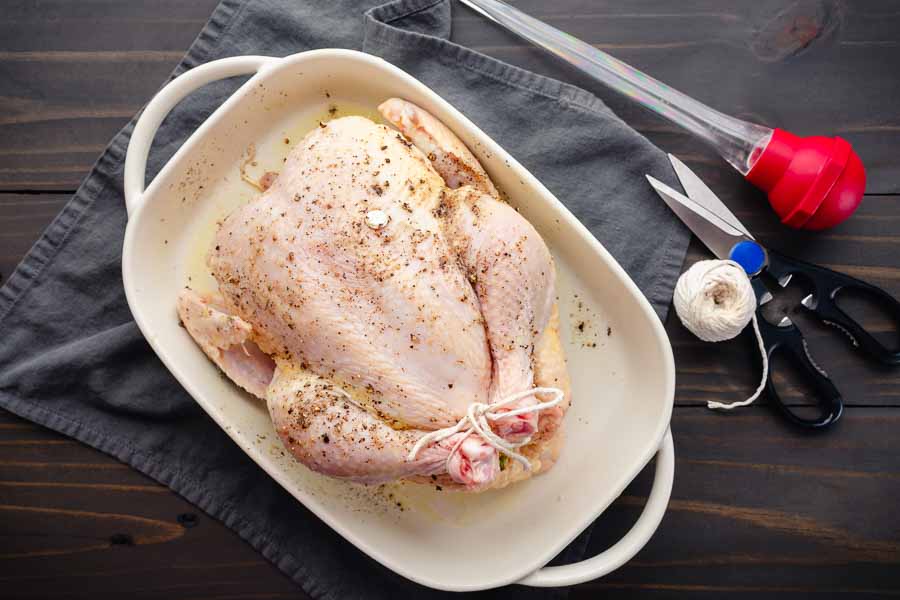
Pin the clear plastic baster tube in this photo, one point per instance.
(739, 142)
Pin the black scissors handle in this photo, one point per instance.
(786, 342)
(828, 285)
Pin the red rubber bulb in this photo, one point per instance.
(812, 182)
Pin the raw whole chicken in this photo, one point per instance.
(378, 291)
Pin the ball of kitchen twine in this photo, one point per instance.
(715, 301)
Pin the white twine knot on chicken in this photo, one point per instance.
(477, 420)
(715, 301)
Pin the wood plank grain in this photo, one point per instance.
(760, 511)
(76, 523)
(64, 94)
(758, 508)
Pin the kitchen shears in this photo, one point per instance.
(711, 221)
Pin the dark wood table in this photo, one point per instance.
(758, 509)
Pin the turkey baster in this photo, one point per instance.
(812, 182)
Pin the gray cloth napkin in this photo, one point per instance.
(73, 360)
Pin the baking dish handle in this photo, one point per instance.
(625, 549)
(164, 101)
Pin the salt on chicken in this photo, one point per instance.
(374, 293)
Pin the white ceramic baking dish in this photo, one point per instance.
(618, 353)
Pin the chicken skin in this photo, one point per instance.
(377, 291)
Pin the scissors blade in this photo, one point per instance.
(702, 195)
(704, 224)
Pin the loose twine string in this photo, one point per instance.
(477, 420)
(715, 301)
